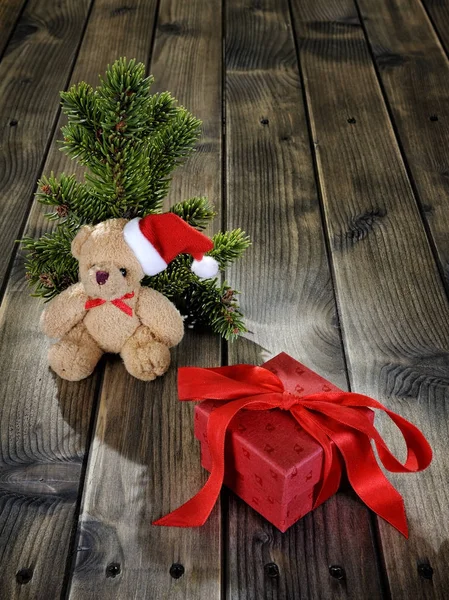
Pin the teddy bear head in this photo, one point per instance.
(108, 268)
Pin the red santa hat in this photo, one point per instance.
(157, 239)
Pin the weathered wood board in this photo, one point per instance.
(45, 423)
(145, 460)
(9, 13)
(414, 71)
(335, 164)
(394, 312)
(288, 299)
(36, 66)
(438, 13)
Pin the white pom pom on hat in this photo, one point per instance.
(157, 239)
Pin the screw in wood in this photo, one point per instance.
(177, 570)
(351, 120)
(425, 571)
(13, 122)
(264, 121)
(272, 570)
(24, 576)
(113, 569)
(337, 572)
(433, 117)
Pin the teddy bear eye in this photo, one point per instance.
(123, 271)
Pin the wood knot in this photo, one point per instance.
(359, 228)
(173, 28)
(122, 10)
(387, 59)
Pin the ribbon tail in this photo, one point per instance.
(196, 511)
(368, 481)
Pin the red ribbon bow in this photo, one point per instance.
(332, 416)
(118, 302)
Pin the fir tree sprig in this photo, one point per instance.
(50, 266)
(197, 212)
(229, 246)
(130, 141)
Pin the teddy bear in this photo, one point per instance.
(109, 310)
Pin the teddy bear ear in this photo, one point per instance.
(79, 240)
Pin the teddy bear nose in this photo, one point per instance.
(102, 277)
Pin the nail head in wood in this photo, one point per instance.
(113, 569)
(434, 118)
(272, 570)
(264, 121)
(13, 122)
(337, 572)
(177, 570)
(352, 121)
(425, 571)
(24, 576)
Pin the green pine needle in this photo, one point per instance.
(197, 212)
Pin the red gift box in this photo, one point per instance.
(271, 462)
(279, 436)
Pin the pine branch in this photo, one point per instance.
(217, 307)
(169, 149)
(49, 265)
(80, 105)
(229, 246)
(201, 301)
(197, 212)
(162, 110)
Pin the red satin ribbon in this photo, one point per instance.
(332, 416)
(118, 302)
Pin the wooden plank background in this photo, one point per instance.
(287, 292)
(394, 312)
(149, 471)
(325, 138)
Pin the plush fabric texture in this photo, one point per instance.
(142, 331)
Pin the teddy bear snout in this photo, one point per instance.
(101, 277)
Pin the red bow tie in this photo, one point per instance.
(118, 302)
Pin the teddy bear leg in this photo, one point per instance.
(76, 355)
(145, 358)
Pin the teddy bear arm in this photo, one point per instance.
(156, 312)
(63, 312)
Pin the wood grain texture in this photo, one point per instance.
(43, 429)
(36, 65)
(9, 13)
(45, 422)
(145, 460)
(288, 300)
(394, 312)
(438, 11)
(410, 59)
